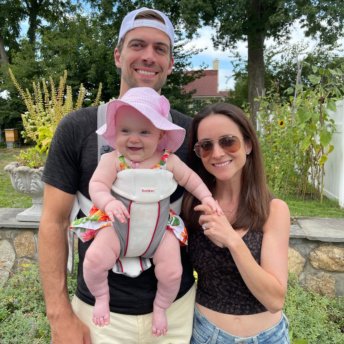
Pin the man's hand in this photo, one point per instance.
(70, 330)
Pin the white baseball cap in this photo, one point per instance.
(130, 22)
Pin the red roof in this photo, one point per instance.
(206, 85)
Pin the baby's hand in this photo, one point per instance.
(116, 209)
(214, 205)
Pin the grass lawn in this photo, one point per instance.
(313, 208)
(9, 198)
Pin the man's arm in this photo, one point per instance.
(53, 253)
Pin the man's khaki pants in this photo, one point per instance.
(136, 329)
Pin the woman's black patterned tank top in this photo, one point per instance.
(220, 286)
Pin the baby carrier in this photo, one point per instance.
(147, 193)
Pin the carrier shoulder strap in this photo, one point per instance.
(81, 202)
(103, 147)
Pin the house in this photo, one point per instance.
(206, 87)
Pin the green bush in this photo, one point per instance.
(313, 319)
(295, 131)
(31, 157)
(22, 309)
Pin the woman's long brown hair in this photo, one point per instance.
(253, 208)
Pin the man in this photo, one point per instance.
(144, 57)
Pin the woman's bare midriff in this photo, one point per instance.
(241, 325)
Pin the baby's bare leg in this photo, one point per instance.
(168, 271)
(99, 259)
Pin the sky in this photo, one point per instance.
(209, 54)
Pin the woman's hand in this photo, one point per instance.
(212, 204)
(216, 227)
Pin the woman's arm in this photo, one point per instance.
(267, 281)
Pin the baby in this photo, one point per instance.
(130, 190)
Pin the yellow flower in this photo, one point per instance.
(281, 123)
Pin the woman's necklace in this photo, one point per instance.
(229, 210)
(228, 207)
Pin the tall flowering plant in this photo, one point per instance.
(296, 134)
(46, 105)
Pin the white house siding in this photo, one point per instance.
(334, 167)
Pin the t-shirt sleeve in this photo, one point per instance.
(184, 122)
(61, 168)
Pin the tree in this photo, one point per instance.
(238, 96)
(38, 11)
(286, 66)
(83, 44)
(256, 20)
(27, 70)
(10, 16)
(12, 12)
(295, 64)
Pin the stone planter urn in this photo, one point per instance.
(28, 181)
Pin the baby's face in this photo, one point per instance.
(136, 137)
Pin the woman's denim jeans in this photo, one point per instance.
(204, 332)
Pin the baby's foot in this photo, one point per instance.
(101, 311)
(159, 322)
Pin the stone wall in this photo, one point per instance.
(316, 250)
(18, 243)
(17, 247)
(319, 267)
(316, 255)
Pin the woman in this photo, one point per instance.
(241, 257)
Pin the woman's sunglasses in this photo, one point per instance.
(229, 143)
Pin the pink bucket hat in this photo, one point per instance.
(154, 107)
